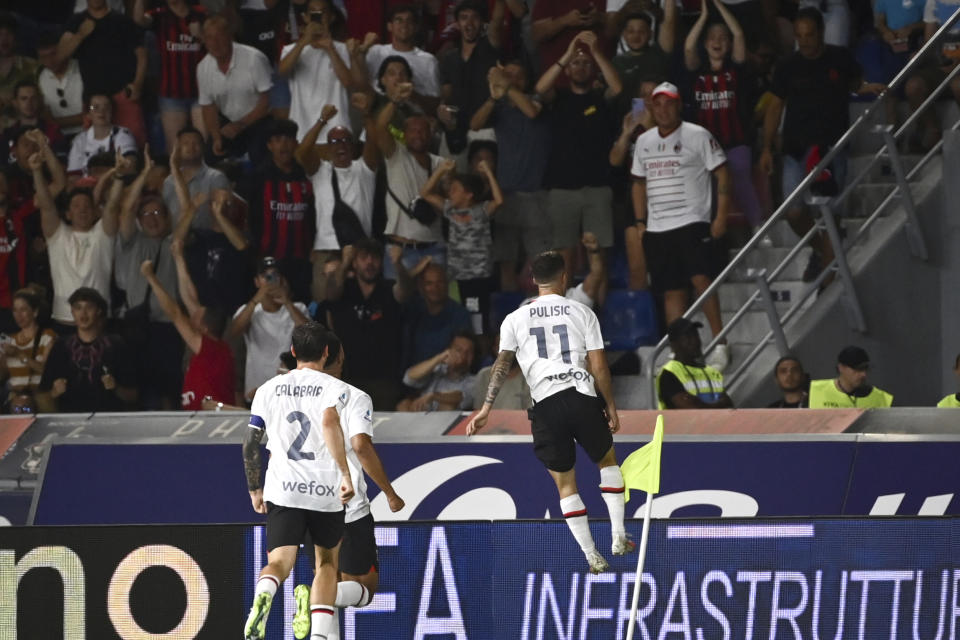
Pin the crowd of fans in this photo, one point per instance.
(185, 182)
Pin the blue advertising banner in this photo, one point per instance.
(471, 480)
(704, 580)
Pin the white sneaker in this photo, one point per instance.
(622, 545)
(597, 562)
(719, 358)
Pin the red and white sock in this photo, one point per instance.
(575, 513)
(352, 594)
(322, 619)
(611, 488)
(267, 584)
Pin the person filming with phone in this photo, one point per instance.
(265, 323)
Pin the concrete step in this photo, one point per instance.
(751, 327)
(734, 294)
(865, 198)
(768, 258)
(882, 171)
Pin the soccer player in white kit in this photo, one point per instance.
(307, 481)
(359, 562)
(558, 344)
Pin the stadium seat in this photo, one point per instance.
(501, 304)
(628, 320)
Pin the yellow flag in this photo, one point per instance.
(641, 469)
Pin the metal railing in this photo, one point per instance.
(900, 192)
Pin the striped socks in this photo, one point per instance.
(611, 488)
(575, 513)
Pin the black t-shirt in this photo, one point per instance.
(371, 331)
(783, 404)
(83, 364)
(583, 129)
(816, 93)
(670, 386)
(468, 78)
(107, 59)
(223, 276)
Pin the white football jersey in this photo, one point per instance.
(551, 337)
(355, 419)
(301, 472)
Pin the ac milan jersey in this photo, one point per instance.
(283, 217)
(301, 473)
(180, 50)
(356, 419)
(551, 337)
(719, 97)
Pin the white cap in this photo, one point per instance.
(666, 89)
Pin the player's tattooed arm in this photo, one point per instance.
(501, 369)
(251, 457)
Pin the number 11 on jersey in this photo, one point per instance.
(540, 334)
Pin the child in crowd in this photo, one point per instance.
(469, 242)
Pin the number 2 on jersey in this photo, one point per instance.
(294, 452)
(541, 335)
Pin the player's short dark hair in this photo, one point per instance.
(387, 62)
(288, 361)
(333, 349)
(309, 341)
(636, 15)
(547, 266)
(812, 14)
(481, 145)
(471, 183)
(8, 21)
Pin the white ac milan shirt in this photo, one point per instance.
(551, 337)
(356, 418)
(301, 473)
(677, 170)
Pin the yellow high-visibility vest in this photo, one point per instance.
(705, 383)
(824, 394)
(950, 402)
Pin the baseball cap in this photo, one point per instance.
(666, 89)
(681, 327)
(853, 357)
(266, 264)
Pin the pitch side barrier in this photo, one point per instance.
(776, 579)
(498, 478)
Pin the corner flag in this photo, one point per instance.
(641, 469)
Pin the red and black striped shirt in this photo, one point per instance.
(719, 102)
(180, 51)
(283, 219)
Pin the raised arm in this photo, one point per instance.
(234, 235)
(70, 41)
(188, 292)
(58, 177)
(388, 146)
(545, 84)
(139, 14)
(308, 154)
(111, 211)
(185, 328)
(691, 46)
(548, 28)
(495, 191)
(667, 37)
(333, 439)
(49, 216)
(422, 370)
(363, 102)
(739, 52)
(495, 26)
(427, 190)
(340, 68)
(621, 148)
(498, 374)
(288, 63)
(128, 210)
(610, 75)
(406, 284)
